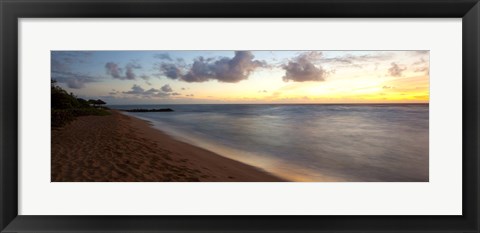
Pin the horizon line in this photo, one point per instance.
(277, 104)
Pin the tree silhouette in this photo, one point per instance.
(96, 103)
(100, 102)
(65, 107)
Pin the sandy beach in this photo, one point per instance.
(119, 148)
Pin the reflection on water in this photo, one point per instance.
(309, 142)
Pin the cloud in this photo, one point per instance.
(421, 52)
(61, 72)
(420, 62)
(151, 91)
(347, 60)
(129, 74)
(161, 95)
(387, 87)
(146, 78)
(113, 92)
(422, 69)
(421, 66)
(163, 92)
(163, 56)
(73, 80)
(301, 69)
(166, 88)
(396, 70)
(312, 55)
(114, 70)
(77, 83)
(357, 60)
(171, 71)
(136, 90)
(71, 57)
(190, 95)
(58, 66)
(224, 69)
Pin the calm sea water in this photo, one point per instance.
(308, 142)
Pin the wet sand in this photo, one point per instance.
(120, 148)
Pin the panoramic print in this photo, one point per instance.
(240, 116)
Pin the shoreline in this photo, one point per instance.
(123, 148)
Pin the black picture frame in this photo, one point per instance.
(11, 11)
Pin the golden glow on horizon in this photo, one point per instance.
(368, 90)
(349, 77)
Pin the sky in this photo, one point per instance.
(224, 77)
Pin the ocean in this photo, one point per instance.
(308, 142)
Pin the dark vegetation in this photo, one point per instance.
(65, 107)
(149, 110)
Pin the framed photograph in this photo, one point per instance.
(302, 116)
